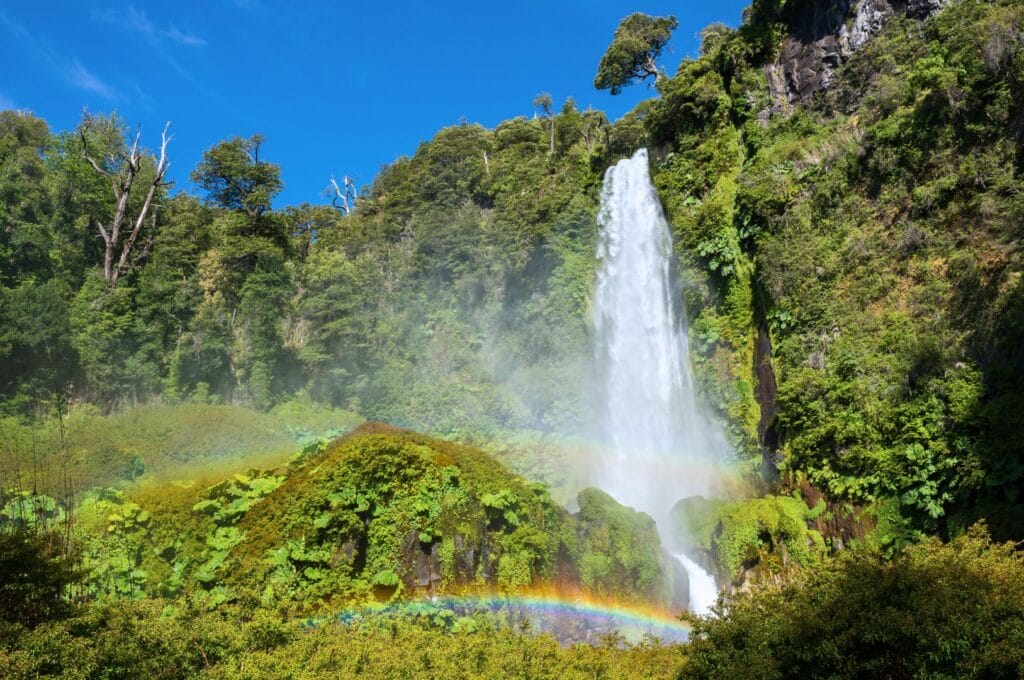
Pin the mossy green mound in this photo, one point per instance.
(378, 514)
(769, 533)
(384, 511)
(616, 547)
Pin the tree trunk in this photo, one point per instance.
(122, 183)
(650, 68)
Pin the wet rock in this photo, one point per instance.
(422, 562)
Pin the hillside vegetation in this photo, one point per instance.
(182, 466)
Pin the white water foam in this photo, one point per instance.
(703, 589)
(659, 445)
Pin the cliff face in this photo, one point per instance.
(823, 35)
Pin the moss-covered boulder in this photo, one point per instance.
(748, 540)
(616, 550)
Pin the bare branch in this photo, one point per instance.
(123, 181)
(103, 232)
(343, 197)
(133, 154)
(85, 154)
(161, 170)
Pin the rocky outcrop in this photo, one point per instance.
(823, 35)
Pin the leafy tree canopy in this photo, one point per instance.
(234, 177)
(630, 58)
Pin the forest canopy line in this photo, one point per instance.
(454, 297)
(185, 376)
(220, 298)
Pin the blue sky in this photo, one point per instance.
(335, 87)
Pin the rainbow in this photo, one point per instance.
(569, 618)
(631, 622)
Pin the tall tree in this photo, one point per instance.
(25, 205)
(233, 175)
(244, 277)
(123, 169)
(544, 102)
(632, 55)
(593, 128)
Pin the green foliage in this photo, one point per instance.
(113, 546)
(26, 511)
(233, 175)
(617, 549)
(487, 234)
(34, 575)
(768, 533)
(37, 356)
(25, 202)
(866, 236)
(110, 342)
(638, 42)
(173, 640)
(379, 514)
(864, 246)
(953, 611)
(227, 501)
(366, 513)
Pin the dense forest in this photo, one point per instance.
(196, 477)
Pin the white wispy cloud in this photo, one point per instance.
(135, 20)
(14, 27)
(84, 79)
(70, 69)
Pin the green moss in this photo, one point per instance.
(770, 532)
(617, 549)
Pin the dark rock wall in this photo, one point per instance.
(823, 35)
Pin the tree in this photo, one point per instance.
(25, 205)
(122, 169)
(544, 102)
(234, 177)
(594, 126)
(344, 195)
(630, 58)
(113, 346)
(567, 126)
(36, 356)
(935, 611)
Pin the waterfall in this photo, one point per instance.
(703, 589)
(658, 444)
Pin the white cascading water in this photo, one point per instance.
(703, 589)
(659, 446)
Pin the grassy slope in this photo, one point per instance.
(160, 442)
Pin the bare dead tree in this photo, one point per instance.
(343, 196)
(120, 235)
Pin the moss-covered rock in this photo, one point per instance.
(385, 511)
(616, 549)
(750, 539)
